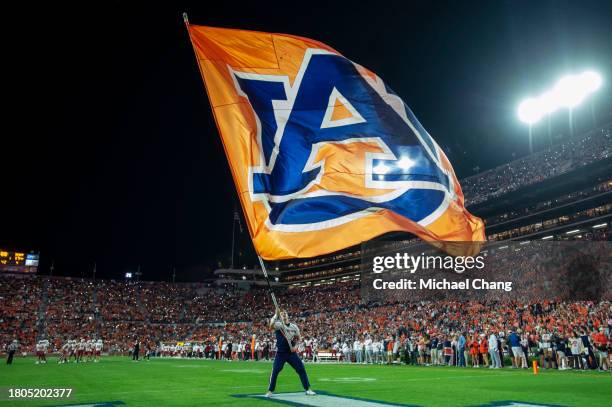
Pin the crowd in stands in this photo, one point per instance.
(333, 317)
(20, 300)
(573, 153)
(70, 308)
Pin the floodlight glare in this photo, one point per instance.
(570, 91)
(530, 111)
(405, 163)
(591, 81)
(548, 102)
(381, 169)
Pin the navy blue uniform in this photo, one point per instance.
(284, 354)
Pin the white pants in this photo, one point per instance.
(495, 360)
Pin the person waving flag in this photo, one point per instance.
(287, 335)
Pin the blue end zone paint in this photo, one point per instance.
(309, 401)
(92, 404)
(274, 399)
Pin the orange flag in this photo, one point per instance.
(323, 154)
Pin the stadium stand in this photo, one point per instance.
(568, 156)
(549, 197)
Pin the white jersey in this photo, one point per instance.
(576, 346)
(289, 331)
(545, 343)
(98, 346)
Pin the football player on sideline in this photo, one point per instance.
(64, 352)
(40, 352)
(98, 350)
(287, 336)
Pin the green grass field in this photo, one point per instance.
(176, 382)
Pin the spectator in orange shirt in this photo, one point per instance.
(474, 350)
(390, 345)
(484, 350)
(600, 340)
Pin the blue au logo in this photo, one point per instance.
(295, 122)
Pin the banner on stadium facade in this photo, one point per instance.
(323, 154)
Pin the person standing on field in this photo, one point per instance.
(10, 350)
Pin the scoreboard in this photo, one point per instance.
(18, 262)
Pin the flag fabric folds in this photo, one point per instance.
(323, 154)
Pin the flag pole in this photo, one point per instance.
(265, 273)
(261, 262)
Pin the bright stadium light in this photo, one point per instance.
(405, 163)
(381, 169)
(548, 102)
(591, 81)
(530, 111)
(569, 91)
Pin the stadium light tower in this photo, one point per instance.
(569, 92)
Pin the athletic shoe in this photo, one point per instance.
(309, 392)
(268, 394)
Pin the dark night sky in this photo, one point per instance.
(109, 152)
